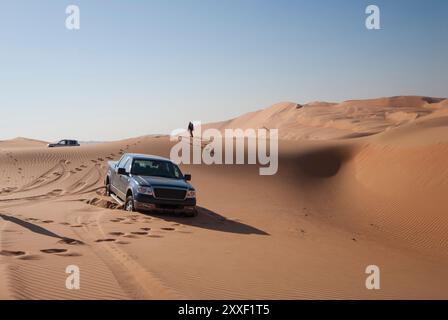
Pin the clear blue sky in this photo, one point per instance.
(141, 67)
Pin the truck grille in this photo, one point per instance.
(171, 194)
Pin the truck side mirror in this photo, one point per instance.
(122, 171)
(187, 177)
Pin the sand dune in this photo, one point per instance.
(21, 143)
(359, 183)
(323, 120)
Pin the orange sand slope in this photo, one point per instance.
(360, 183)
(21, 143)
(323, 120)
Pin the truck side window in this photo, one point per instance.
(128, 166)
(122, 162)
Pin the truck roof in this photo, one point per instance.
(146, 156)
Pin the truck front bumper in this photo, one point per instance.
(149, 203)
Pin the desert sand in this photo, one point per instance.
(359, 183)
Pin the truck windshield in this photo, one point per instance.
(156, 168)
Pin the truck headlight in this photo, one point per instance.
(145, 190)
(191, 194)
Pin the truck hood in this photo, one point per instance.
(162, 182)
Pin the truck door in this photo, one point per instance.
(116, 178)
(124, 179)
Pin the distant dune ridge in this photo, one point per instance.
(325, 120)
(21, 142)
(360, 183)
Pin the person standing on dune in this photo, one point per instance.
(191, 129)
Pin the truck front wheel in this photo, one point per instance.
(108, 192)
(191, 213)
(129, 205)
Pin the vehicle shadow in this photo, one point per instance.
(211, 220)
(37, 229)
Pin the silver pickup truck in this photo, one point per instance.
(64, 143)
(150, 183)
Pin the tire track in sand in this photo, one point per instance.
(135, 279)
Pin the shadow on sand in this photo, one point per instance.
(208, 219)
(38, 229)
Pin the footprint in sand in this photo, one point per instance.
(77, 226)
(7, 190)
(51, 251)
(145, 229)
(78, 169)
(140, 233)
(130, 236)
(123, 242)
(30, 257)
(70, 254)
(9, 253)
(117, 234)
(64, 223)
(168, 229)
(47, 221)
(84, 166)
(101, 192)
(72, 242)
(105, 240)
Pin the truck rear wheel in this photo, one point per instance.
(129, 205)
(108, 193)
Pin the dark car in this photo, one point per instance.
(150, 183)
(64, 143)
